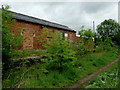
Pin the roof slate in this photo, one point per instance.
(19, 16)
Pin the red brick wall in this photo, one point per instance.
(38, 29)
(77, 39)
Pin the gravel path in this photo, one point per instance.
(86, 79)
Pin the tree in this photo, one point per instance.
(87, 44)
(87, 34)
(108, 28)
(9, 40)
(81, 32)
(117, 38)
(58, 51)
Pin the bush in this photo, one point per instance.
(59, 52)
(106, 45)
(86, 45)
(9, 41)
(83, 47)
(107, 79)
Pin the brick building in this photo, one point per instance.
(33, 27)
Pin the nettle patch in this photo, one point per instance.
(108, 79)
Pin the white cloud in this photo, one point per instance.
(71, 14)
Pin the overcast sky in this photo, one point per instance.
(71, 14)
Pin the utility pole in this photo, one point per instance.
(94, 30)
(94, 33)
(119, 12)
(119, 45)
(93, 27)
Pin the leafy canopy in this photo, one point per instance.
(10, 41)
(87, 34)
(108, 28)
(58, 50)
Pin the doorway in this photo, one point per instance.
(27, 38)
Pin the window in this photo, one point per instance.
(66, 35)
(21, 33)
(49, 36)
(33, 34)
(70, 40)
(70, 35)
(42, 26)
(61, 34)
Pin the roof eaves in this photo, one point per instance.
(39, 21)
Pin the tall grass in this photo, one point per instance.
(107, 79)
(38, 76)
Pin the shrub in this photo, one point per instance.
(58, 51)
(86, 45)
(9, 41)
(83, 47)
(107, 79)
(107, 44)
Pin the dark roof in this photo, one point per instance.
(19, 16)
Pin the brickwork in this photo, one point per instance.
(77, 39)
(27, 38)
(30, 29)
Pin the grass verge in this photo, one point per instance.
(107, 79)
(37, 76)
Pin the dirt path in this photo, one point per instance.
(86, 79)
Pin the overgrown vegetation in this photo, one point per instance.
(86, 45)
(109, 28)
(86, 34)
(26, 53)
(107, 79)
(64, 63)
(39, 76)
(10, 41)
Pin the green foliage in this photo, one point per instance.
(58, 52)
(97, 39)
(108, 28)
(6, 36)
(81, 32)
(16, 40)
(37, 75)
(79, 48)
(107, 79)
(9, 41)
(26, 53)
(42, 38)
(83, 47)
(107, 44)
(117, 38)
(86, 44)
(87, 34)
(64, 65)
